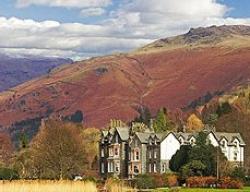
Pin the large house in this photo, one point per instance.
(126, 152)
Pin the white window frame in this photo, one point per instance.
(149, 168)
(155, 154)
(102, 168)
(150, 154)
(102, 152)
(155, 168)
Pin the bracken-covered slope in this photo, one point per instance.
(171, 72)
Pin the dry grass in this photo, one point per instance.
(47, 186)
(57, 186)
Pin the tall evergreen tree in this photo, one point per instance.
(162, 122)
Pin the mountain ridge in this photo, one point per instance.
(17, 70)
(115, 86)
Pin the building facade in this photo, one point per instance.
(126, 152)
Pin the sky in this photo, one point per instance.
(80, 29)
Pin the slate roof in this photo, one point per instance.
(143, 137)
(230, 137)
(123, 132)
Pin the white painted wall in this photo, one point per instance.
(169, 146)
(212, 139)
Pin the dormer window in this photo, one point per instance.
(192, 141)
(181, 141)
(155, 142)
(223, 144)
(150, 142)
(236, 143)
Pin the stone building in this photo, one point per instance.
(128, 151)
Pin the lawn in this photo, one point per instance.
(246, 189)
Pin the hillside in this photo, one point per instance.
(236, 115)
(170, 72)
(17, 70)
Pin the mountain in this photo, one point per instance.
(17, 70)
(178, 73)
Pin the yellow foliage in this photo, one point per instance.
(194, 124)
(91, 137)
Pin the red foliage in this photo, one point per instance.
(229, 183)
(158, 180)
(201, 181)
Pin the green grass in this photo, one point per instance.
(246, 189)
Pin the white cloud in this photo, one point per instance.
(65, 3)
(61, 39)
(92, 12)
(134, 24)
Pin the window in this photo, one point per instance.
(117, 167)
(112, 167)
(116, 151)
(235, 156)
(136, 169)
(223, 143)
(192, 141)
(163, 168)
(150, 154)
(102, 153)
(110, 151)
(137, 155)
(155, 142)
(155, 168)
(155, 154)
(149, 168)
(102, 168)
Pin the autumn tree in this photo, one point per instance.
(57, 150)
(194, 124)
(6, 149)
(23, 163)
(91, 137)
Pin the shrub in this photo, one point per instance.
(8, 174)
(158, 180)
(201, 181)
(229, 183)
(172, 180)
(144, 181)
